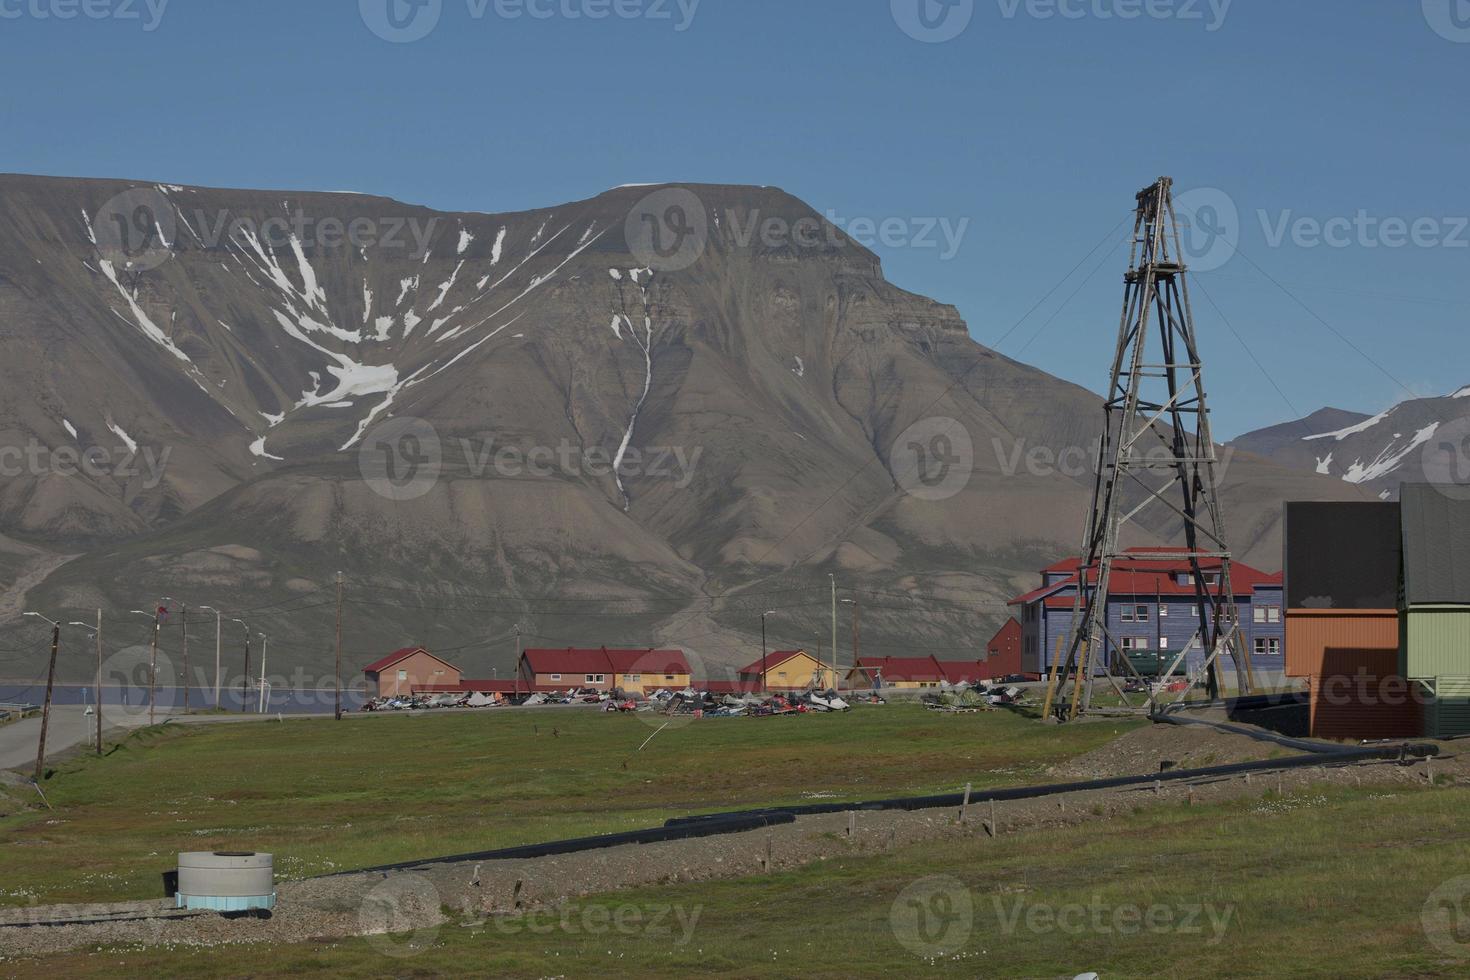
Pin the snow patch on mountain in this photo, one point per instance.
(1352, 430)
(464, 241)
(1389, 459)
(1324, 466)
(128, 440)
(149, 328)
(258, 448)
(66, 424)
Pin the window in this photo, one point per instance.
(1273, 614)
(1135, 614)
(1260, 614)
(633, 678)
(1163, 611)
(595, 678)
(1135, 643)
(403, 675)
(1268, 646)
(556, 677)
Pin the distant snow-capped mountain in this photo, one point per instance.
(1423, 440)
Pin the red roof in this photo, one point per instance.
(601, 660)
(378, 666)
(1147, 577)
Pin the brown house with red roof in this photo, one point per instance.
(404, 671)
(602, 669)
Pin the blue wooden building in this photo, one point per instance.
(1152, 612)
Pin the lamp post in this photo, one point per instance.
(837, 677)
(46, 705)
(856, 615)
(263, 639)
(244, 677)
(152, 658)
(765, 682)
(217, 621)
(97, 690)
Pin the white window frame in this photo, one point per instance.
(1132, 644)
(596, 678)
(556, 677)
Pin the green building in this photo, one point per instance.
(1434, 607)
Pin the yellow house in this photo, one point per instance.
(601, 669)
(787, 670)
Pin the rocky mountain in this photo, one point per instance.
(643, 418)
(1423, 440)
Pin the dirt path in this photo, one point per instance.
(12, 600)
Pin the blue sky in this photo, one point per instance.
(1033, 126)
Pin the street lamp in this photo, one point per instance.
(263, 639)
(245, 678)
(856, 615)
(46, 705)
(217, 621)
(765, 683)
(152, 659)
(97, 691)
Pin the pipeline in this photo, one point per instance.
(740, 821)
(1301, 745)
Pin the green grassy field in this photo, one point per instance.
(327, 796)
(1323, 882)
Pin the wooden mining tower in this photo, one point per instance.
(1156, 451)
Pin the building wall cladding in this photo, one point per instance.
(1360, 694)
(1311, 633)
(1436, 641)
(1447, 714)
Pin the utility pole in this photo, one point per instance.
(216, 651)
(518, 661)
(856, 612)
(263, 640)
(153, 667)
(836, 674)
(765, 682)
(337, 680)
(184, 625)
(46, 705)
(245, 676)
(97, 706)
